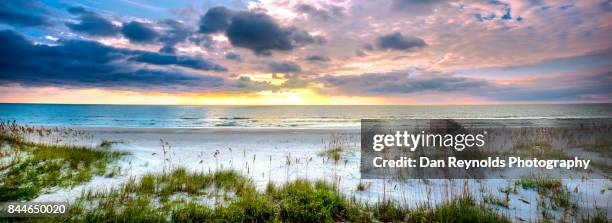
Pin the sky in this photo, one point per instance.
(287, 52)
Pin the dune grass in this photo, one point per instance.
(29, 169)
(494, 200)
(539, 184)
(226, 196)
(160, 197)
(332, 153)
(558, 195)
(459, 210)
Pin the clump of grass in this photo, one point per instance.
(47, 166)
(558, 194)
(332, 153)
(539, 184)
(361, 186)
(600, 217)
(37, 168)
(296, 201)
(387, 211)
(490, 199)
(459, 210)
(252, 207)
(153, 194)
(163, 186)
(301, 201)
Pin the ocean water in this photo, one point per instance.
(143, 116)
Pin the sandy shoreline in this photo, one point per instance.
(217, 130)
(280, 155)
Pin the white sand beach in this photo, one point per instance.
(280, 154)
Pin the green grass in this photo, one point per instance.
(459, 210)
(558, 195)
(600, 217)
(36, 168)
(153, 198)
(332, 153)
(302, 201)
(389, 212)
(539, 184)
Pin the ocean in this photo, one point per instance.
(162, 116)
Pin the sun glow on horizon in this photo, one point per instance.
(53, 95)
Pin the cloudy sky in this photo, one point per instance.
(306, 52)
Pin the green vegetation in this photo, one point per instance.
(558, 194)
(157, 197)
(332, 153)
(600, 217)
(337, 144)
(602, 148)
(225, 196)
(459, 210)
(539, 184)
(301, 201)
(389, 212)
(29, 169)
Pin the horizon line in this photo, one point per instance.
(288, 105)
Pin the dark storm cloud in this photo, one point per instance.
(398, 83)
(317, 58)
(139, 32)
(324, 14)
(159, 59)
(284, 67)
(255, 31)
(216, 19)
(176, 32)
(23, 13)
(78, 63)
(91, 23)
(258, 32)
(397, 41)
